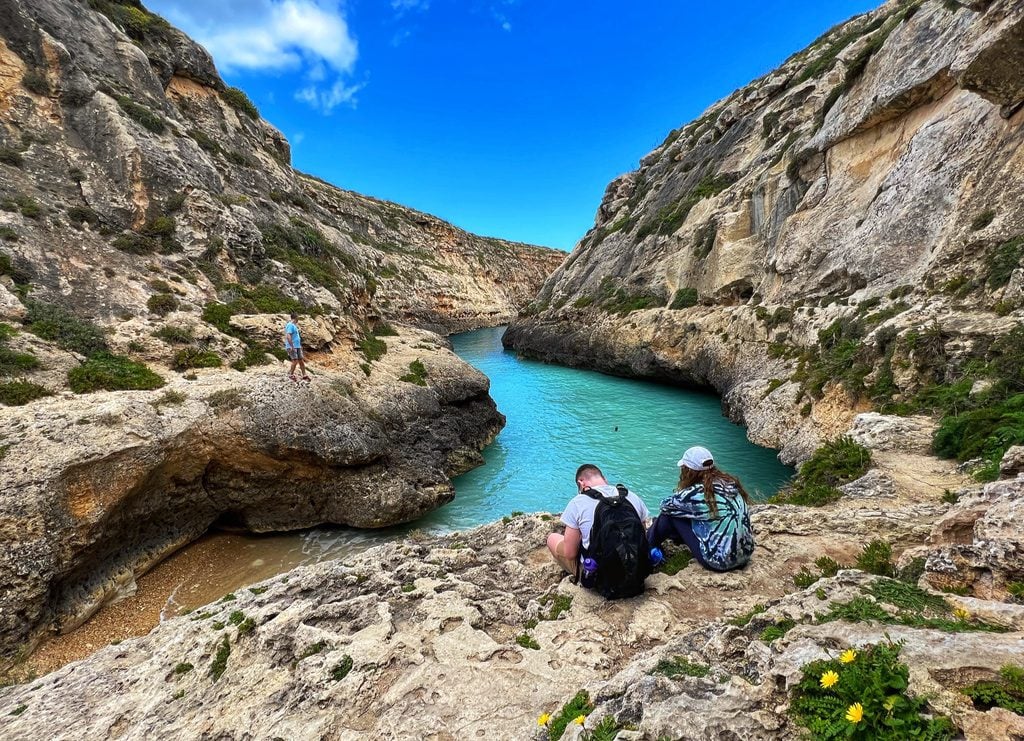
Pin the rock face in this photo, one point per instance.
(433, 639)
(864, 194)
(149, 216)
(97, 489)
(126, 160)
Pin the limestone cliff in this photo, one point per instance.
(153, 239)
(844, 232)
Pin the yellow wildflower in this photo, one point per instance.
(855, 712)
(543, 719)
(848, 656)
(579, 719)
(828, 679)
(962, 614)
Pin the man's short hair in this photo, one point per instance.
(295, 315)
(588, 468)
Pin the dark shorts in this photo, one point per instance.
(295, 353)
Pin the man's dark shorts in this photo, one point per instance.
(295, 353)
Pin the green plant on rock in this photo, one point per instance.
(417, 373)
(342, 668)
(526, 641)
(83, 214)
(680, 666)
(863, 695)
(106, 372)
(21, 392)
(579, 705)
(558, 603)
(237, 99)
(24, 204)
(11, 157)
(175, 335)
(777, 630)
(142, 115)
(741, 621)
(1003, 261)
(371, 347)
(983, 219)
(684, 298)
(1006, 692)
(220, 661)
(193, 357)
(183, 668)
(876, 558)
(836, 463)
(162, 304)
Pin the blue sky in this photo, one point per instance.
(505, 117)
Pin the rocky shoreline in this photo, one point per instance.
(398, 641)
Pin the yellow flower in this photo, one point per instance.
(848, 656)
(579, 719)
(855, 712)
(962, 614)
(543, 719)
(828, 679)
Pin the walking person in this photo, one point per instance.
(293, 345)
(707, 513)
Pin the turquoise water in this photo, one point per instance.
(561, 417)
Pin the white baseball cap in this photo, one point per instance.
(697, 459)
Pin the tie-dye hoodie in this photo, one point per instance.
(727, 541)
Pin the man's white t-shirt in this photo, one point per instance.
(579, 512)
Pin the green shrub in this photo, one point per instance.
(579, 705)
(24, 204)
(1003, 262)
(183, 668)
(986, 432)
(35, 81)
(835, 463)
(526, 641)
(876, 558)
(79, 214)
(170, 398)
(983, 219)
(192, 357)
(583, 302)
(131, 17)
(53, 323)
(175, 335)
(777, 630)
(162, 304)
(417, 373)
(680, 666)
(238, 100)
(19, 393)
(671, 216)
(219, 315)
(205, 143)
(684, 298)
(136, 244)
(220, 662)
(11, 157)
(1006, 692)
(7, 234)
(372, 348)
(558, 603)
(869, 700)
(741, 621)
(342, 668)
(142, 115)
(105, 372)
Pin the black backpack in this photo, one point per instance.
(618, 542)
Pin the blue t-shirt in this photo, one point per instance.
(291, 333)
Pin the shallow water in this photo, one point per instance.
(558, 418)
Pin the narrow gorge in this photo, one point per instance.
(835, 250)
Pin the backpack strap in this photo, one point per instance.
(614, 501)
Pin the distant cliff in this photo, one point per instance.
(843, 233)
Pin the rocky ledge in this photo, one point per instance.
(99, 488)
(477, 634)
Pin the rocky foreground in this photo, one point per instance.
(477, 634)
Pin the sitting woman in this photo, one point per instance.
(716, 526)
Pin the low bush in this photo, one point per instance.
(192, 357)
(238, 100)
(106, 372)
(83, 214)
(136, 244)
(580, 706)
(175, 335)
(1003, 261)
(680, 666)
(371, 347)
(417, 373)
(21, 392)
(142, 115)
(58, 325)
(11, 157)
(684, 298)
(24, 204)
(342, 668)
(1006, 692)
(835, 463)
(162, 304)
(876, 558)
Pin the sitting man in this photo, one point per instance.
(569, 549)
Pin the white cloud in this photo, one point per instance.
(506, 25)
(309, 37)
(327, 99)
(403, 6)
